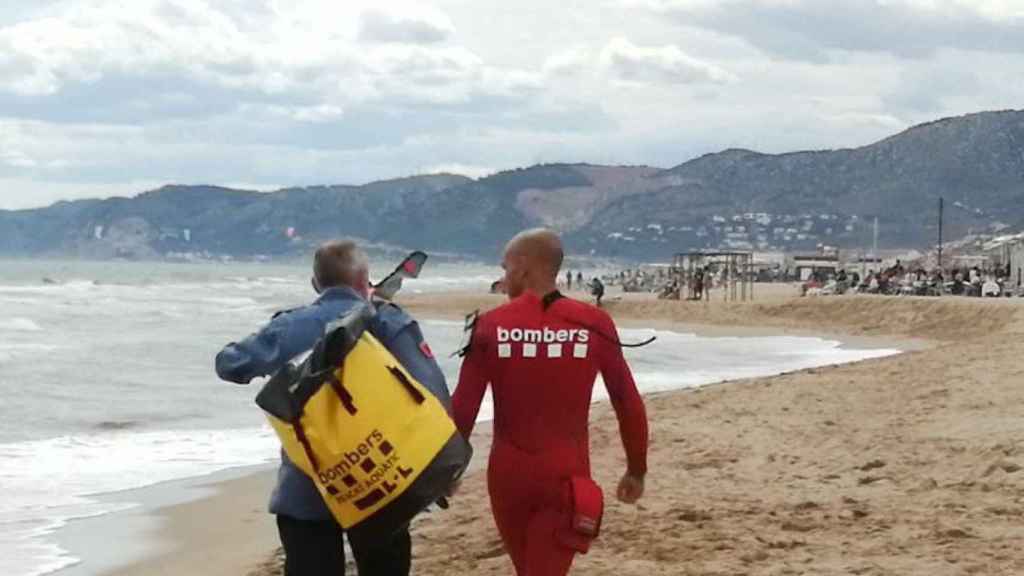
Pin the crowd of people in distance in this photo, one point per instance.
(640, 280)
(898, 280)
(671, 284)
(660, 280)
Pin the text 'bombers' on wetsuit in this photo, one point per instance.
(541, 358)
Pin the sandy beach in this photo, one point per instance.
(905, 465)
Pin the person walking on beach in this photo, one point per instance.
(568, 281)
(541, 353)
(311, 538)
(597, 290)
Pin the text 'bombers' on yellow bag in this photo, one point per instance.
(378, 445)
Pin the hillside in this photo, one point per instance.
(735, 199)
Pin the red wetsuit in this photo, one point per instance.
(541, 358)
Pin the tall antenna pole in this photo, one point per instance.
(874, 249)
(941, 209)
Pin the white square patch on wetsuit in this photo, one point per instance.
(580, 350)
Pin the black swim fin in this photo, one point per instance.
(409, 268)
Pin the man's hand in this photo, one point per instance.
(631, 489)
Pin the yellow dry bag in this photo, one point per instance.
(379, 446)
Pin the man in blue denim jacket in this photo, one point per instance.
(311, 538)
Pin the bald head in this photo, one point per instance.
(541, 248)
(532, 261)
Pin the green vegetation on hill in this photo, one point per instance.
(737, 199)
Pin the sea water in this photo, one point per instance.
(106, 371)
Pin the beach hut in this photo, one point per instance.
(824, 263)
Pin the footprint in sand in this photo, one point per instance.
(494, 550)
(873, 465)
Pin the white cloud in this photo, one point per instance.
(568, 62)
(16, 159)
(811, 29)
(11, 153)
(427, 27)
(347, 51)
(886, 122)
(661, 64)
(312, 114)
(25, 193)
(460, 169)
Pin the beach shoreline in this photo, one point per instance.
(216, 517)
(177, 524)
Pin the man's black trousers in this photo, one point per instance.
(316, 549)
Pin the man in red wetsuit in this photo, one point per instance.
(541, 353)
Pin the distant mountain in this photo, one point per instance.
(213, 221)
(736, 199)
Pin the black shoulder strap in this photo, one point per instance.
(283, 312)
(379, 303)
(468, 331)
(551, 299)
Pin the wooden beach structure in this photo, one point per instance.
(733, 271)
(1017, 264)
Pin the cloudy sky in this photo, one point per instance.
(113, 97)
